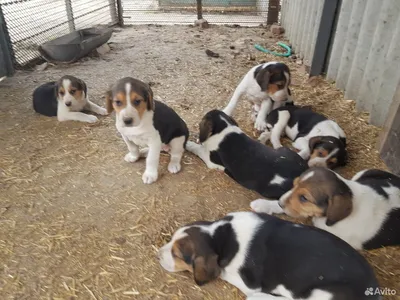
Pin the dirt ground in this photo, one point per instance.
(76, 221)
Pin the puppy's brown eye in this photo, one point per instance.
(280, 86)
(136, 102)
(303, 199)
(62, 93)
(118, 103)
(320, 154)
(72, 92)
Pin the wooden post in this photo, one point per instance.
(273, 11)
(199, 10)
(113, 12)
(389, 142)
(70, 15)
(120, 13)
(7, 58)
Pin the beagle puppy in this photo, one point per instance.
(363, 211)
(267, 87)
(66, 99)
(255, 166)
(269, 258)
(143, 121)
(320, 141)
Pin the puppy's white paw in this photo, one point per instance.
(260, 125)
(254, 115)
(91, 119)
(129, 157)
(102, 111)
(192, 146)
(174, 167)
(264, 137)
(277, 146)
(266, 206)
(149, 177)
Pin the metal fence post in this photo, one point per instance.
(113, 11)
(324, 37)
(199, 10)
(70, 15)
(7, 56)
(120, 13)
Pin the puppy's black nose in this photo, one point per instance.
(128, 121)
(68, 103)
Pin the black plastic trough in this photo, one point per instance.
(75, 45)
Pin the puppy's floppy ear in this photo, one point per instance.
(339, 207)
(263, 78)
(314, 141)
(57, 87)
(206, 268)
(83, 86)
(109, 102)
(149, 97)
(205, 130)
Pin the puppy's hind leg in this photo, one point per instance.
(203, 154)
(176, 152)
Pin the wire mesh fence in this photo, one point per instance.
(33, 22)
(240, 12)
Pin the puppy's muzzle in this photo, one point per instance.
(128, 121)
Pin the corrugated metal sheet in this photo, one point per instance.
(301, 18)
(365, 54)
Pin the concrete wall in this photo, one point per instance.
(365, 54)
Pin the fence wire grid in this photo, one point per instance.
(241, 12)
(33, 22)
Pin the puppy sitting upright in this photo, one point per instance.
(65, 99)
(253, 165)
(143, 121)
(363, 211)
(318, 139)
(267, 87)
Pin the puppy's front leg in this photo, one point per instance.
(76, 116)
(266, 206)
(265, 108)
(133, 154)
(301, 144)
(153, 157)
(203, 154)
(95, 108)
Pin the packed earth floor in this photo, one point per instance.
(76, 221)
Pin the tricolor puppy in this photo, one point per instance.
(253, 165)
(267, 87)
(269, 258)
(318, 139)
(143, 121)
(363, 211)
(66, 99)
